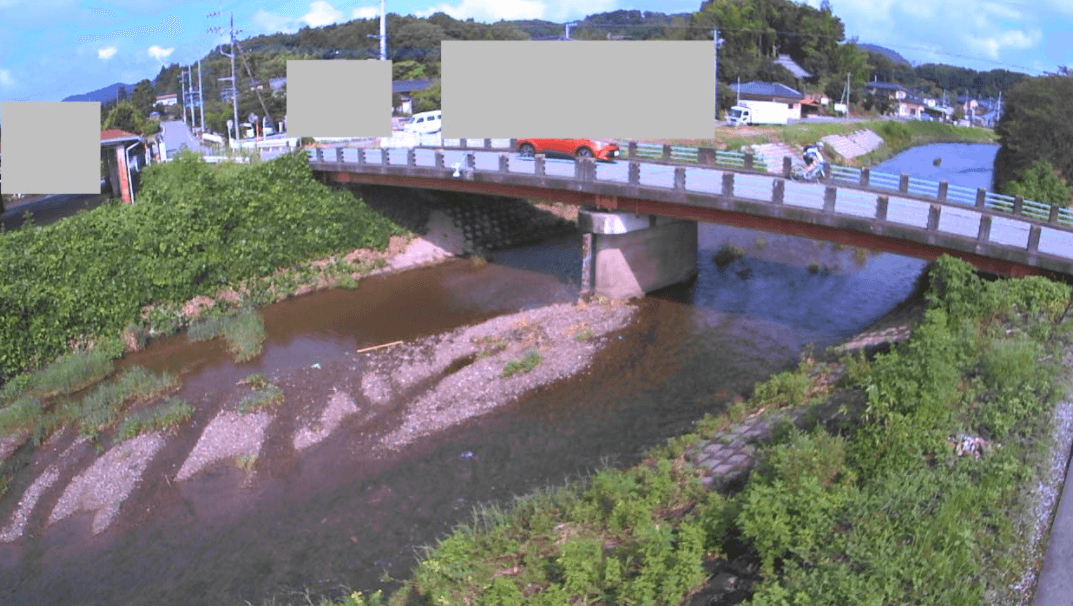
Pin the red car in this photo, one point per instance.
(601, 149)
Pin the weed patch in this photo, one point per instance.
(261, 399)
(529, 361)
(244, 331)
(103, 405)
(170, 414)
(728, 254)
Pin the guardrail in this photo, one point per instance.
(903, 214)
(860, 178)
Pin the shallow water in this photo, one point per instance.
(342, 514)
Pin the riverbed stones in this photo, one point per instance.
(29, 499)
(340, 405)
(475, 381)
(228, 436)
(43, 482)
(109, 481)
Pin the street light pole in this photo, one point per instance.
(383, 32)
(717, 42)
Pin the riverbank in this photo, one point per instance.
(897, 136)
(624, 533)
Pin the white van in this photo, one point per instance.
(425, 122)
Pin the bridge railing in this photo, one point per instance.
(900, 212)
(747, 162)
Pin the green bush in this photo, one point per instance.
(196, 228)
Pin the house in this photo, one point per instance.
(909, 104)
(277, 84)
(124, 153)
(811, 107)
(167, 100)
(771, 91)
(405, 88)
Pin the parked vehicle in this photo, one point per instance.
(600, 149)
(425, 122)
(758, 112)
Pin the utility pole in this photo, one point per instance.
(234, 82)
(383, 33)
(182, 83)
(256, 90)
(200, 95)
(190, 88)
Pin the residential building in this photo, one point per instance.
(405, 89)
(166, 100)
(772, 91)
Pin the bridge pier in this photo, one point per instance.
(628, 255)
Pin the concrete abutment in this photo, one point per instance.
(629, 255)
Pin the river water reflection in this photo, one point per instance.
(338, 517)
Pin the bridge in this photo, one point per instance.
(640, 215)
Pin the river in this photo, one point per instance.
(337, 516)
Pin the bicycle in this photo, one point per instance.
(800, 172)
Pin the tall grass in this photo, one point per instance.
(170, 414)
(244, 331)
(66, 375)
(102, 406)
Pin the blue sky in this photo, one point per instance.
(50, 49)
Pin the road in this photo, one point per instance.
(50, 209)
(177, 135)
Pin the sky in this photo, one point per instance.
(50, 49)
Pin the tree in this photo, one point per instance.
(143, 97)
(428, 99)
(124, 116)
(1041, 183)
(1035, 125)
(121, 94)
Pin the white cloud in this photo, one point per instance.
(159, 53)
(365, 12)
(322, 13)
(6, 79)
(270, 23)
(106, 53)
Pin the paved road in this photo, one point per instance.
(177, 135)
(50, 209)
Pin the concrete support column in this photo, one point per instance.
(631, 255)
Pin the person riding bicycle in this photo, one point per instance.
(814, 161)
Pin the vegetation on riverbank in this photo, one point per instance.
(875, 504)
(205, 244)
(196, 229)
(897, 135)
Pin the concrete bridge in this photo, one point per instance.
(640, 215)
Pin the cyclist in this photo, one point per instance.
(814, 161)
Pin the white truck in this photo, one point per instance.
(758, 112)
